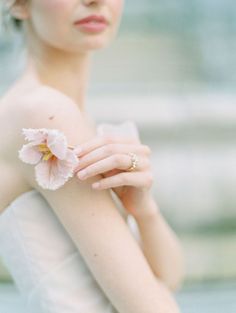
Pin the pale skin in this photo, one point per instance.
(57, 49)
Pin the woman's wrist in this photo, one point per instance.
(148, 208)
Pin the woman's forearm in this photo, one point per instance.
(160, 245)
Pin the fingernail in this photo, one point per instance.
(82, 174)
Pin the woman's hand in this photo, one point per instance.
(108, 155)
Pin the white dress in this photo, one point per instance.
(45, 264)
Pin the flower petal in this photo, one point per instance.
(57, 143)
(29, 154)
(46, 175)
(35, 134)
(66, 167)
(54, 174)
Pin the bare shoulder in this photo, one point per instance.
(45, 107)
(40, 107)
(47, 103)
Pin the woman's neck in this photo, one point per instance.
(69, 73)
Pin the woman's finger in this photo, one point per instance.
(116, 161)
(136, 179)
(99, 141)
(108, 150)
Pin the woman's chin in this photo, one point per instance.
(98, 46)
(93, 44)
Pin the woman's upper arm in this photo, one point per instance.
(96, 227)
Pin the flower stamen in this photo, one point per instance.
(47, 154)
(43, 147)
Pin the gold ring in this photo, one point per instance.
(134, 160)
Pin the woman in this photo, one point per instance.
(64, 240)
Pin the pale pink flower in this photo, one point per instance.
(48, 149)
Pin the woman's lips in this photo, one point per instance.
(92, 24)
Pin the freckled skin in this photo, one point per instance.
(51, 117)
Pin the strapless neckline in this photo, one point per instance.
(22, 196)
(19, 198)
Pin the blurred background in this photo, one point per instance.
(172, 70)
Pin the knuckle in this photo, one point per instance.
(148, 164)
(108, 139)
(150, 178)
(147, 149)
